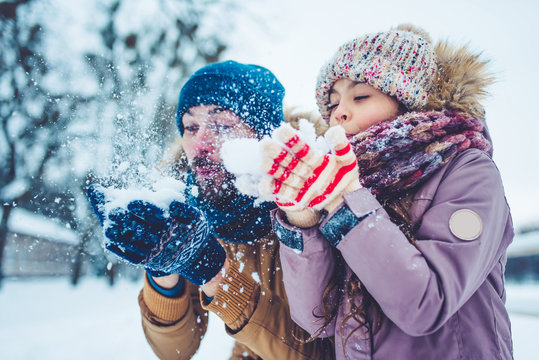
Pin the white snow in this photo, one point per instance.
(50, 319)
(25, 222)
(255, 276)
(243, 157)
(162, 192)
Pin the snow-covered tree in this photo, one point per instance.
(89, 90)
(33, 117)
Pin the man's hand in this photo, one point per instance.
(167, 282)
(211, 287)
(172, 241)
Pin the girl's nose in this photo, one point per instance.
(341, 113)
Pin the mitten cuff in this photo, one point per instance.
(174, 292)
(353, 186)
(233, 296)
(303, 218)
(166, 308)
(356, 207)
(207, 263)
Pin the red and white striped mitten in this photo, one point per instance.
(303, 179)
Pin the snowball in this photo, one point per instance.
(242, 156)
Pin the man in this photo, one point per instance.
(217, 251)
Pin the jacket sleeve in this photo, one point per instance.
(420, 287)
(306, 275)
(173, 326)
(260, 320)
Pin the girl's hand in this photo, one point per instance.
(305, 180)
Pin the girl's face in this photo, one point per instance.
(356, 106)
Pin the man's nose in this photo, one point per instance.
(205, 142)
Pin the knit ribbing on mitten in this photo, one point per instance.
(198, 260)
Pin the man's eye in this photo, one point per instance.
(224, 128)
(191, 129)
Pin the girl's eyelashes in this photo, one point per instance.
(362, 97)
(356, 98)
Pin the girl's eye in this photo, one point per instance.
(359, 98)
(332, 106)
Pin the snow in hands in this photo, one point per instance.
(244, 157)
(284, 166)
(161, 193)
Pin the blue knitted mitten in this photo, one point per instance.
(176, 240)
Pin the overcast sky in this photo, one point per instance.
(294, 38)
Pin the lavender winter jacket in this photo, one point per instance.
(441, 299)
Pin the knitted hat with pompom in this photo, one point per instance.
(399, 62)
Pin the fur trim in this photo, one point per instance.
(292, 117)
(174, 162)
(461, 81)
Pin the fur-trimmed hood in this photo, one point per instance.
(461, 82)
(461, 79)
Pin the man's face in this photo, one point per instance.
(206, 128)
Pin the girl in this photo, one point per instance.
(407, 262)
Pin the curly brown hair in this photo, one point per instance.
(363, 307)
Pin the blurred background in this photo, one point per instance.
(89, 89)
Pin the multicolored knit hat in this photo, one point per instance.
(399, 62)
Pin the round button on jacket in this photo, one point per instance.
(466, 224)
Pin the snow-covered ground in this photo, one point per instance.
(50, 319)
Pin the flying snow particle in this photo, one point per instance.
(255, 276)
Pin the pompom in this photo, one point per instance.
(414, 29)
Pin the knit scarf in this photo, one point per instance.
(240, 220)
(397, 156)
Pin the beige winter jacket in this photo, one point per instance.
(252, 303)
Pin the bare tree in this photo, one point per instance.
(33, 118)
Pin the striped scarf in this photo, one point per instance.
(397, 156)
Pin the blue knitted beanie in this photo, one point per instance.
(250, 91)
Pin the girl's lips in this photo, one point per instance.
(349, 136)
